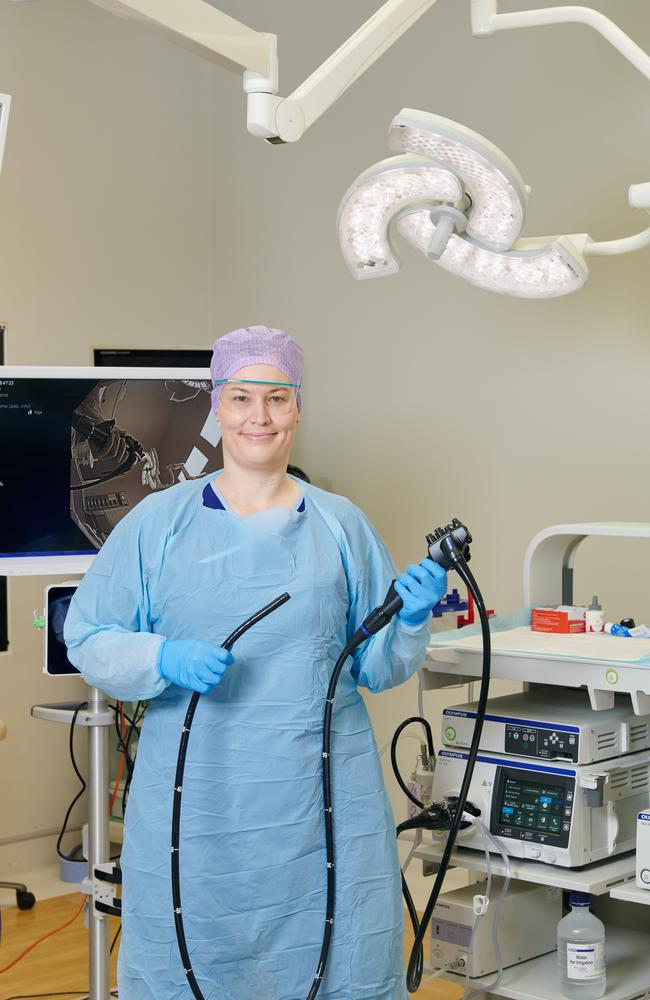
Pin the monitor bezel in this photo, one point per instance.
(76, 564)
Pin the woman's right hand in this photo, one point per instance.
(193, 663)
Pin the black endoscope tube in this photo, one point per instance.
(393, 754)
(355, 641)
(178, 790)
(415, 966)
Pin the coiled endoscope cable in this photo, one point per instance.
(446, 546)
(178, 790)
(415, 966)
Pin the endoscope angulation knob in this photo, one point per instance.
(448, 545)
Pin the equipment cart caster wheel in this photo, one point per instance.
(25, 900)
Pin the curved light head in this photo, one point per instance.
(452, 178)
(378, 195)
(495, 186)
(534, 269)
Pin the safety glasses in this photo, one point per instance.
(244, 395)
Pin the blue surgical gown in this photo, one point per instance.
(252, 856)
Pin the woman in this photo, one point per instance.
(176, 576)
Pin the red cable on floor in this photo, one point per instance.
(45, 936)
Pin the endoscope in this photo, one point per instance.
(449, 548)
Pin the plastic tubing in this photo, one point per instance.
(489, 838)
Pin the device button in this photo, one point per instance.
(515, 736)
(566, 827)
(567, 812)
(569, 796)
(535, 852)
(450, 733)
(550, 857)
(645, 876)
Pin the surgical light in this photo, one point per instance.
(497, 191)
(474, 236)
(528, 272)
(377, 195)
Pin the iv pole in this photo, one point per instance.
(98, 885)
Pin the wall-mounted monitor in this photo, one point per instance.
(57, 602)
(5, 104)
(80, 447)
(152, 357)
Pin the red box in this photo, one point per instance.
(551, 620)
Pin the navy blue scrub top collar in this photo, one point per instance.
(212, 498)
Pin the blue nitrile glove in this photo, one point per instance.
(420, 587)
(193, 663)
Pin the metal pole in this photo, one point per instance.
(98, 842)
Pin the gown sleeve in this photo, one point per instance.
(393, 655)
(108, 628)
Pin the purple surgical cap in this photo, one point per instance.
(256, 345)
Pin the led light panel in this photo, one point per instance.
(497, 190)
(376, 197)
(547, 272)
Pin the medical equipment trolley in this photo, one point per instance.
(608, 749)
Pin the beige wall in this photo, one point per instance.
(136, 209)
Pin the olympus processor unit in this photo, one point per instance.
(643, 850)
(557, 813)
(526, 926)
(550, 725)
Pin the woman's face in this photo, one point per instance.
(258, 422)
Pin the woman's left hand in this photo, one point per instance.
(420, 587)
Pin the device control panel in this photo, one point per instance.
(541, 726)
(544, 743)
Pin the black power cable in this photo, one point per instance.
(178, 788)
(73, 723)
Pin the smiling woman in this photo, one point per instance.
(179, 572)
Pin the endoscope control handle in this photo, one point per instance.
(449, 545)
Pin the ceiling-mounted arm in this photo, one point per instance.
(286, 120)
(486, 21)
(222, 39)
(209, 32)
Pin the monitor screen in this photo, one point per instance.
(58, 597)
(79, 448)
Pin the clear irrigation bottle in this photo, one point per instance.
(581, 951)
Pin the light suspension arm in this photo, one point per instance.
(205, 30)
(221, 38)
(287, 120)
(486, 21)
